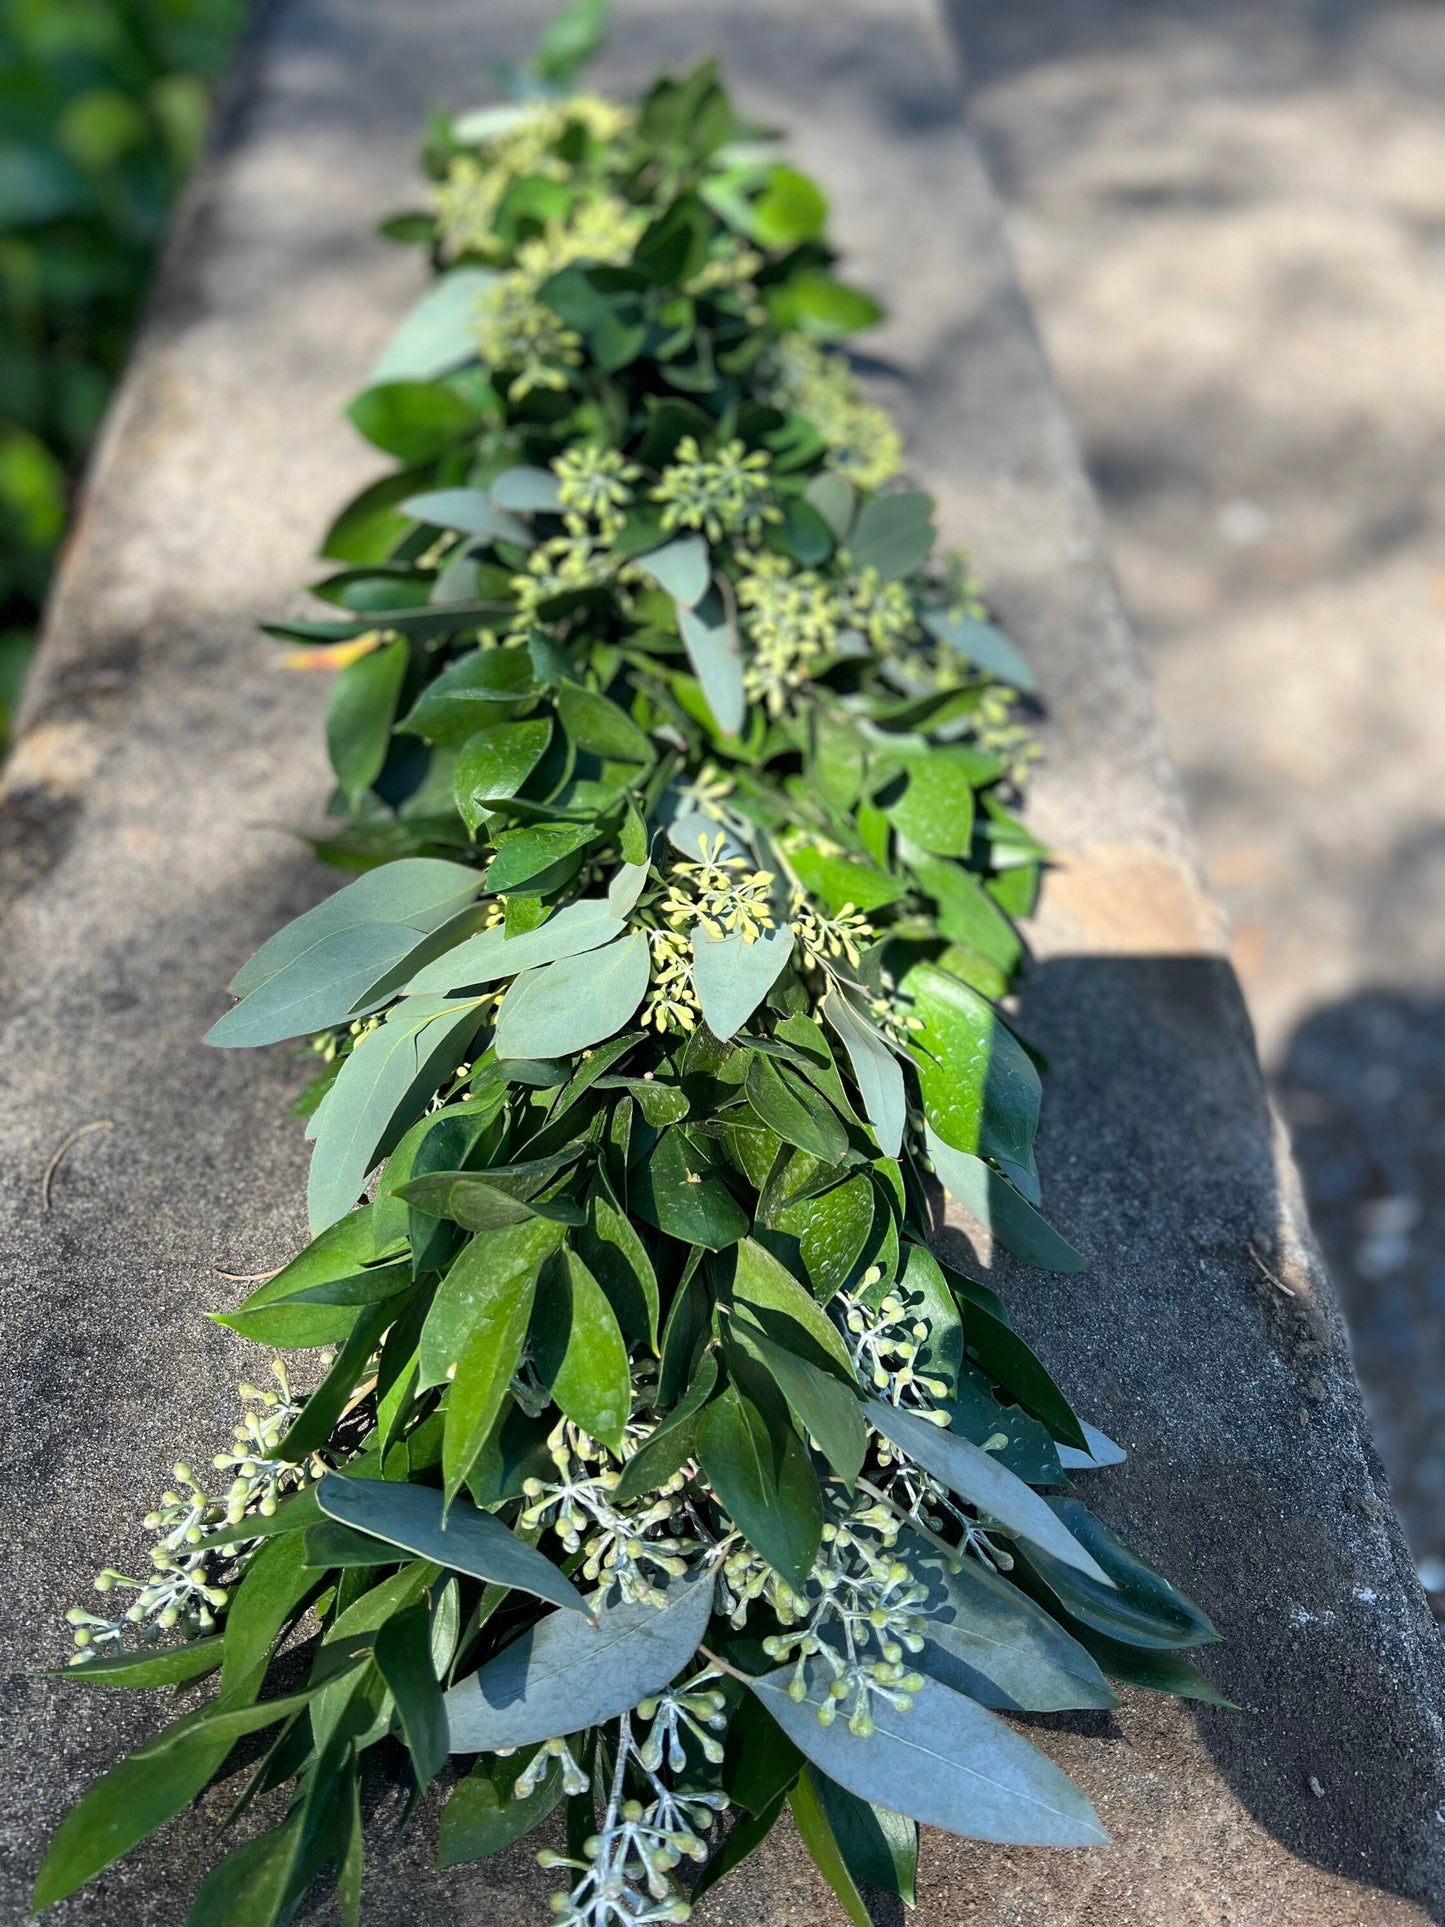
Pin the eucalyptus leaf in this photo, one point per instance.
(492, 954)
(564, 1007)
(458, 1537)
(945, 1762)
(568, 1673)
(710, 636)
(893, 534)
(420, 891)
(323, 986)
(683, 567)
(876, 1070)
(527, 491)
(440, 333)
(385, 1082)
(986, 1638)
(470, 511)
(732, 976)
(982, 644)
(983, 1482)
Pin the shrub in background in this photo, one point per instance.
(103, 106)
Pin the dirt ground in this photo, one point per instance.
(1231, 220)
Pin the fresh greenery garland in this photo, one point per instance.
(660, 1468)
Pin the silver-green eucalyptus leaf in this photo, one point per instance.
(460, 1537)
(945, 1762)
(491, 955)
(978, 1478)
(567, 1006)
(732, 976)
(566, 1674)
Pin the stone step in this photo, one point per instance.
(141, 862)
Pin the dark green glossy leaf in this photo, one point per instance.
(671, 1440)
(766, 1485)
(412, 420)
(980, 1090)
(360, 713)
(787, 1311)
(481, 1292)
(172, 1666)
(404, 1658)
(1139, 1608)
(879, 1846)
(599, 726)
(828, 1412)
(494, 764)
(617, 1258)
(999, 1208)
(799, 1114)
(678, 1189)
(580, 1352)
(483, 1814)
(816, 1833)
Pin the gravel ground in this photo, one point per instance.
(1232, 223)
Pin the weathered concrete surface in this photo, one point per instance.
(161, 738)
(1229, 224)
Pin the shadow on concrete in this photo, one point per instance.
(1362, 1087)
(1204, 1337)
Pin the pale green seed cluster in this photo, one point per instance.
(630, 1547)
(858, 1619)
(518, 331)
(861, 440)
(840, 938)
(595, 485)
(184, 1589)
(885, 1342)
(672, 1001)
(881, 611)
(790, 619)
(625, 1873)
(557, 567)
(727, 495)
(467, 201)
(721, 893)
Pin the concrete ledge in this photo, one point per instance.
(136, 870)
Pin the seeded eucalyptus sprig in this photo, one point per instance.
(654, 1462)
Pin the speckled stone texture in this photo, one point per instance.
(140, 862)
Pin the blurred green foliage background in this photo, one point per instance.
(103, 109)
